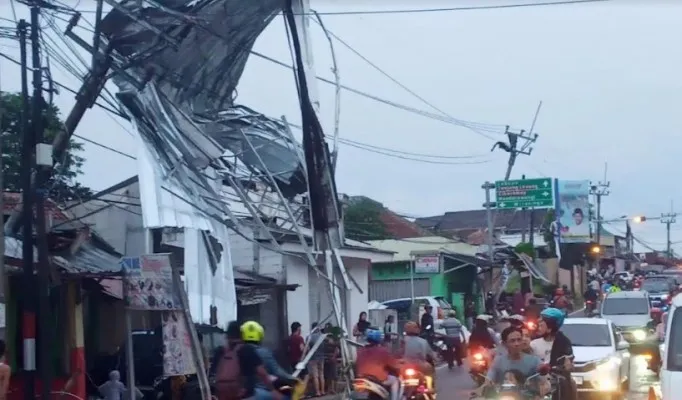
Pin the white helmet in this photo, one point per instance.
(484, 317)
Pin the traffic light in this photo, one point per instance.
(639, 219)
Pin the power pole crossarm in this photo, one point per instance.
(668, 219)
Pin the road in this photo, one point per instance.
(456, 384)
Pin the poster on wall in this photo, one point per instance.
(427, 265)
(148, 281)
(177, 345)
(573, 211)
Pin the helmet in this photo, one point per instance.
(252, 331)
(452, 313)
(412, 328)
(483, 317)
(374, 336)
(553, 316)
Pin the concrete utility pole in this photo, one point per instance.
(669, 219)
(599, 190)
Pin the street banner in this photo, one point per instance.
(148, 283)
(177, 345)
(573, 211)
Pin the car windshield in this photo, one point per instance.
(443, 304)
(623, 306)
(588, 334)
(656, 285)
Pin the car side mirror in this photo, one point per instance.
(623, 345)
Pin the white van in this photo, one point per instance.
(671, 357)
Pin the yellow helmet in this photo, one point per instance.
(252, 331)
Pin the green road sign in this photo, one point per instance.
(524, 193)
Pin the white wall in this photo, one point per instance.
(298, 306)
(243, 257)
(357, 302)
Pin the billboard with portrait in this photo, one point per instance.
(573, 211)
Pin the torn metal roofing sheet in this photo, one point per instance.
(177, 64)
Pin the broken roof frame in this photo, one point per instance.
(203, 167)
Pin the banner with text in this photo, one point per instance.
(148, 281)
(573, 211)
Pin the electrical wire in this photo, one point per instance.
(473, 126)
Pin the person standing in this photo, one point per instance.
(316, 362)
(454, 337)
(361, 327)
(331, 354)
(296, 345)
(470, 313)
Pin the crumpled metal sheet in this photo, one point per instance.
(197, 51)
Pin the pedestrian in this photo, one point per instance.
(296, 345)
(316, 361)
(5, 371)
(470, 313)
(331, 354)
(361, 327)
(390, 334)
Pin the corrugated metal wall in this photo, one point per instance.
(319, 299)
(398, 288)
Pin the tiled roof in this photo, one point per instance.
(454, 221)
(13, 199)
(398, 227)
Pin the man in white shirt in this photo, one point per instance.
(541, 346)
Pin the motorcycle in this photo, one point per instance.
(369, 388)
(479, 366)
(416, 385)
(445, 349)
(590, 308)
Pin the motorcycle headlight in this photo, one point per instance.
(639, 334)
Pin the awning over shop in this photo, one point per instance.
(465, 260)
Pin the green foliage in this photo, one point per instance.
(362, 220)
(547, 233)
(62, 184)
(525, 248)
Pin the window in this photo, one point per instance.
(656, 285)
(674, 359)
(443, 304)
(592, 335)
(625, 306)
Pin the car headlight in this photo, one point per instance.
(639, 334)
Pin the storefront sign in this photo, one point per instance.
(427, 265)
(148, 283)
(177, 345)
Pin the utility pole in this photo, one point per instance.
(668, 219)
(28, 324)
(43, 157)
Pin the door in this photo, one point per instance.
(398, 288)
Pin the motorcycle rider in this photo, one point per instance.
(374, 361)
(481, 336)
(561, 300)
(416, 350)
(454, 336)
(591, 295)
(561, 352)
(253, 334)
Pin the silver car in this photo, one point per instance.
(630, 313)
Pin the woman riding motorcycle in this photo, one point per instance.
(481, 337)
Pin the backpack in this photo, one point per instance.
(229, 379)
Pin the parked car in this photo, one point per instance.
(602, 362)
(671, 354)
(439, 304)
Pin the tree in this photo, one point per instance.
(62, 184)
(362, 220)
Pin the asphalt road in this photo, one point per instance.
(457, 384)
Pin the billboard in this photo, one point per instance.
(572, 204)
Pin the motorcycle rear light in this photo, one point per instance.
(410, 372)
(478, 357)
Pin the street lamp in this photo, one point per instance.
(639, 219)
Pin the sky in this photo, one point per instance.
(607, 75)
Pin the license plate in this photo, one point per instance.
(578, 380)
(411, 382)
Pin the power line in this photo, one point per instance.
(422, 10)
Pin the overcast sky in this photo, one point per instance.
(607, 74)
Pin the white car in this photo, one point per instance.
(602, 359)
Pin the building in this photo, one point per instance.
(427, 266)
(311, 301)
(510, 225)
